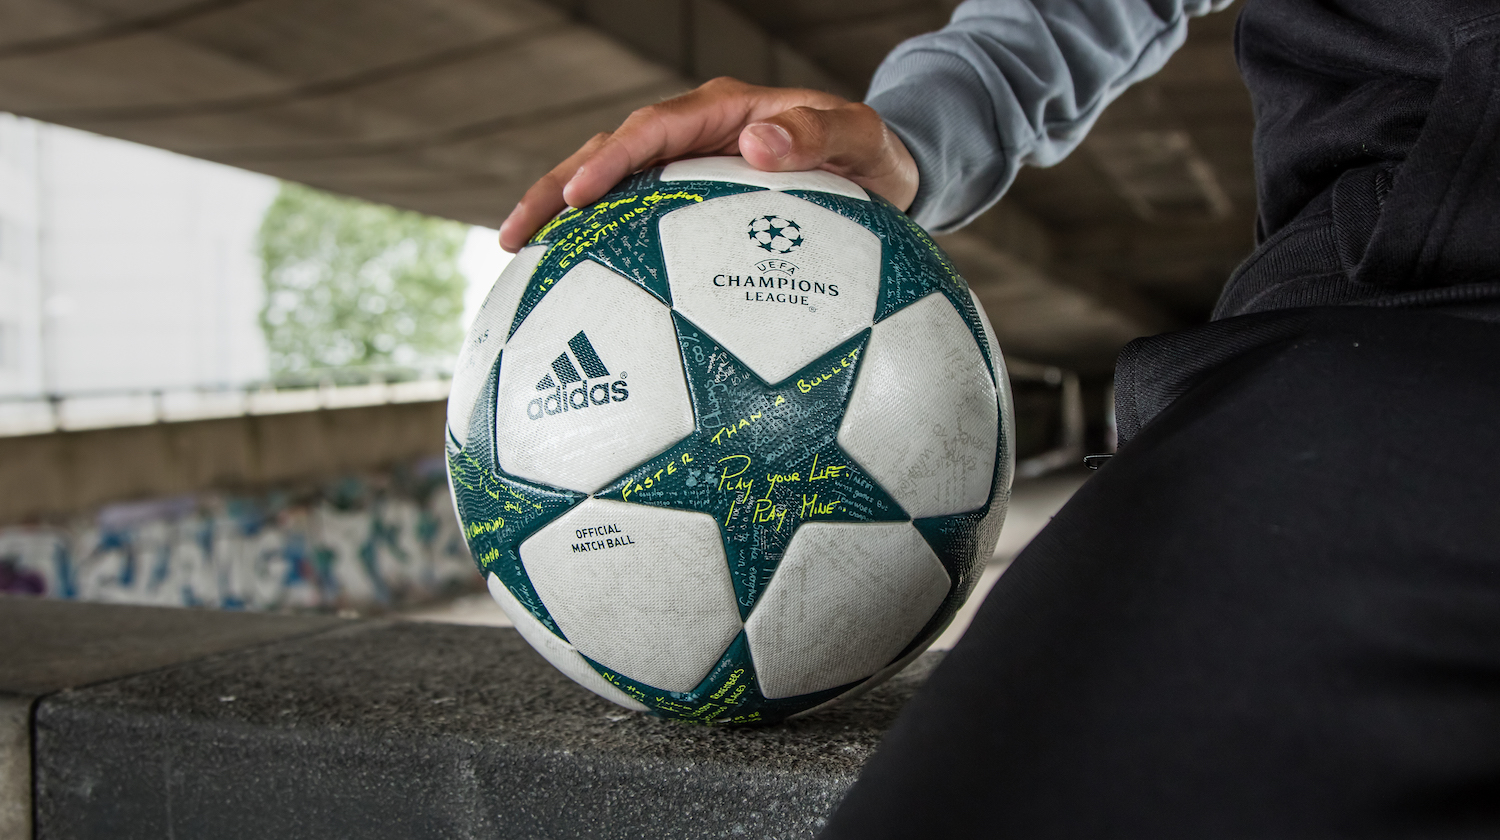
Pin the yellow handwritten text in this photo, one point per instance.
(657, 197)
(774, 479)
(766, 510)
(654, 479)
(828, 472)
(729, 429)
(729, 683)
(471, 475)
(806, 385)
(932, 248)
(488, 527)
(740, 486)
(811, 507)
(597, 225)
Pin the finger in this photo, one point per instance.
(850, 140)
(545, 198)
(616, 158)
(706, 120)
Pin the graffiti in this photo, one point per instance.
(369, 542)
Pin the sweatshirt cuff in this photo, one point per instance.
(934, 102)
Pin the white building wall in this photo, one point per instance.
(20, 289)
(144, 275)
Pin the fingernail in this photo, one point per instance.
(509, 217)
(577, 173)
(775, 138)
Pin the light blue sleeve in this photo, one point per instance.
(1013, 82)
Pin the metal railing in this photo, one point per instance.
(31, 414)
(1068, 449)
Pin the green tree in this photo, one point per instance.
(354, 284)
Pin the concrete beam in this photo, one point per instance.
(1042, 306)
(1038, 317)
(451, 107)
(1147, 154)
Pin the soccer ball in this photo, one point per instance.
(725, 477)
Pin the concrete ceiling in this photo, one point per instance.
(453, 107)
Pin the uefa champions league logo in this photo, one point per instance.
(776, 234)
(777, 281)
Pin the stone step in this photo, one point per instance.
(384, 729)
(48, 646)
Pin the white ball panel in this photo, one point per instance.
(635, 411)
(924, 418)
(1007, 410)
(846, 598)
(650, 599)
(562, 655)
(486, 337)
(736, 170)
(804, 302)
(989, 337)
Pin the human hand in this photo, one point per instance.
(774, 129)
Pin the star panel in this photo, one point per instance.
(909, 272)
(499, 511)
(644, 590)
(619, 231)
(730, 694)
(598, 355)
(924, 419)
(563, 656)
(762, 459)
(776, 305)
(486, 337)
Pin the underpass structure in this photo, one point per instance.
(454, 107)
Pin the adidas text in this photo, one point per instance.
(577, 398)
(572, 390)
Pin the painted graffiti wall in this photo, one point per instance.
(363, 543)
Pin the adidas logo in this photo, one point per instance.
(572, 390)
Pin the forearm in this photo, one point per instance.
(1013, 82)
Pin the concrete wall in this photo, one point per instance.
(320, 509)
(366, 542)
(124, 266)
(65, 473)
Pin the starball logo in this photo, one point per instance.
(572, 391)
(776, 234)
(777, 280)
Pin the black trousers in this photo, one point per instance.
(1275, 613)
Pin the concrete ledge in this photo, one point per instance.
(48, 646)
(15, 766)
(64, 472)
(378, 729)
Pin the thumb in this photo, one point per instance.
(850, 140)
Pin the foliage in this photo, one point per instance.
(354, 284)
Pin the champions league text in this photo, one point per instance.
(781, 286)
